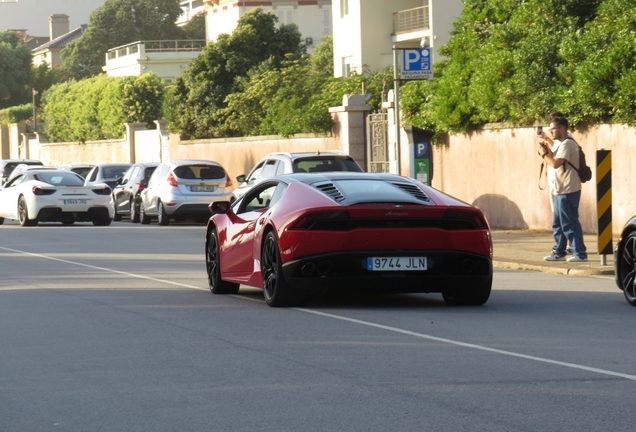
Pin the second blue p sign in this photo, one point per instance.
(417, 63)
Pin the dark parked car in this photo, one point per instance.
(7, 165)
(106, 173)
(625, 261)
(126, 193)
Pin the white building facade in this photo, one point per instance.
(32, 16)
(189, 8)
(313, 17)
(167, 59)
(365, 31)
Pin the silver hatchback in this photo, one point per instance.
(183, 188)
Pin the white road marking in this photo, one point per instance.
(105, 269)
(360, 322)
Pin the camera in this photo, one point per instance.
(539, 130)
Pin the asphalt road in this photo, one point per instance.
(114, 329)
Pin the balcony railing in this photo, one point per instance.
(411, 20)
(157, 46)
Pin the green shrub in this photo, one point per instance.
(96, 108)
(16, 114)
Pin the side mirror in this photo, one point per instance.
(241, 178)
(144, 182)
(219, 207)
(120, 180)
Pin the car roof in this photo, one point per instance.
(179, 162)
(303, 155)
(25, 161)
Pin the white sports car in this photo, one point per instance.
(55, 196)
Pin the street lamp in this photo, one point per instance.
(35, 120)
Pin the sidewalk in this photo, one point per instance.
(525, 249)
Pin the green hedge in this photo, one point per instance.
(97, 108)
(16, 114)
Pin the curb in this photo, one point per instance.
(579, 271)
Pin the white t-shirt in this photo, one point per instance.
(551, 171)
(566, 179)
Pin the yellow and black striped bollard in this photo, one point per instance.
(604, 202)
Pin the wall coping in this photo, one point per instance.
(253, 138)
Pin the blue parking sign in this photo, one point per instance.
(417, 63)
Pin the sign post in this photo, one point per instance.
(417, 64)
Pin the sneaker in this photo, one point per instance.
(569, 251)
(554, 257)
(577, 259)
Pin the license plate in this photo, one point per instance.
(75, 202)
(204, 188)
(396, 263)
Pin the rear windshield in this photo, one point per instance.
(57, 178)
(83, 171)
(148, 172)
(325, 164)
(114, 172)
(9, 166)
(199, 172)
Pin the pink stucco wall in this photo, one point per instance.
(497, 170)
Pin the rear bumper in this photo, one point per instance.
(55, 214)
(347, 272)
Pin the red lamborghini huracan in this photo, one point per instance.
(296, 234)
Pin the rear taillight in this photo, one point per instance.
(37, 190)
(140, 186)
(322, 220)
(172, 181)
(471, 216)
(103, 191)
(228, 181)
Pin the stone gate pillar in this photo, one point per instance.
(349, 126)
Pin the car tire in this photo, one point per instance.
(102, 221)
(276, 291)
(68, 221)
(213, 267)
(116, 216)
(162, 216)
(143, 217)
(626, 268)
(23, 213)
(1, 220)
(134, 212)
(474, 296)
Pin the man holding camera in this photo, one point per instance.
(567, 190)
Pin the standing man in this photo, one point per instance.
(567, 190)
(554, 145)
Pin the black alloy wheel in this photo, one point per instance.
(276, 291)
(134, 212)
(473, 296)
(213, 267)
(143, 217)
(23, 213)
(162, 216)
(627, 268)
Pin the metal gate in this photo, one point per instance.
(378, 143)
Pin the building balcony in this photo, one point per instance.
(411, 24)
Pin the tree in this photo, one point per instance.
(200, 92)
(116, 23)
(15, 67)
(195, 27)
(322, 58)
(516, 61)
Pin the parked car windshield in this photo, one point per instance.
(325, 164)
(199, 172)
(57, 178)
